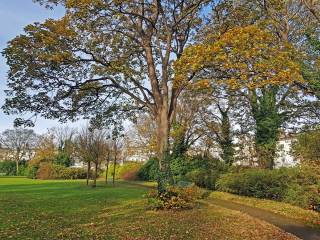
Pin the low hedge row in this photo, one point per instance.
(298, 186)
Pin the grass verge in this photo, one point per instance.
(308, 217)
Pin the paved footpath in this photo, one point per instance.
(287, 224)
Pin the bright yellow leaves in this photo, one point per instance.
(50, 39)
(242, 57)
(85, 4)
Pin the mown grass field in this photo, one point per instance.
(35, 209)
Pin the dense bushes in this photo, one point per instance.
(149, 170)
(176, 197)
(63, 159)
(298, 186)
(8, 168)
(53, 171)
(201, 170)
(205, 171)
(32, 171)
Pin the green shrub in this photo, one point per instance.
(8, 168)
(62, 159)
(180, 166)
(204, 178)
(304, 196)
(149, 170)
(32, 171)
(202, 170)
(298, 186)
(260, 183)
(176, 197)
(23, 170)
(205, 171)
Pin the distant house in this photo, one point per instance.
(8, 154)
(4, 154)
(284, 156)
(246, 151)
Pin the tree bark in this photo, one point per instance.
(95, 175)
(17, 167)
(163, 127)
(114, 164)
(88, 172)
(107, 169)
(17, 161)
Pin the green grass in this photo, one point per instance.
(308, 217)
(38, 209)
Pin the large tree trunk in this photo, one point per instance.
(163, 127)
(88, 172)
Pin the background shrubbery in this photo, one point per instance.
(298, 185)
(54, 171)
(127, 171)
(8, 168)
(201, 170)
(149, 170)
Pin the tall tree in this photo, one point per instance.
(99, 52)
(272, 107)
(247, 58)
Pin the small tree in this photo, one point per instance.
(108, 159)
(92, 148)
(20, 142)
(99, 150)
(116, 145)
(83, 149)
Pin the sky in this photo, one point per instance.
(14, 16)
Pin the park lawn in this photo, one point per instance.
(37, 209)
(308, 217)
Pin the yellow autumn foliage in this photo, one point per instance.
(244, 56)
